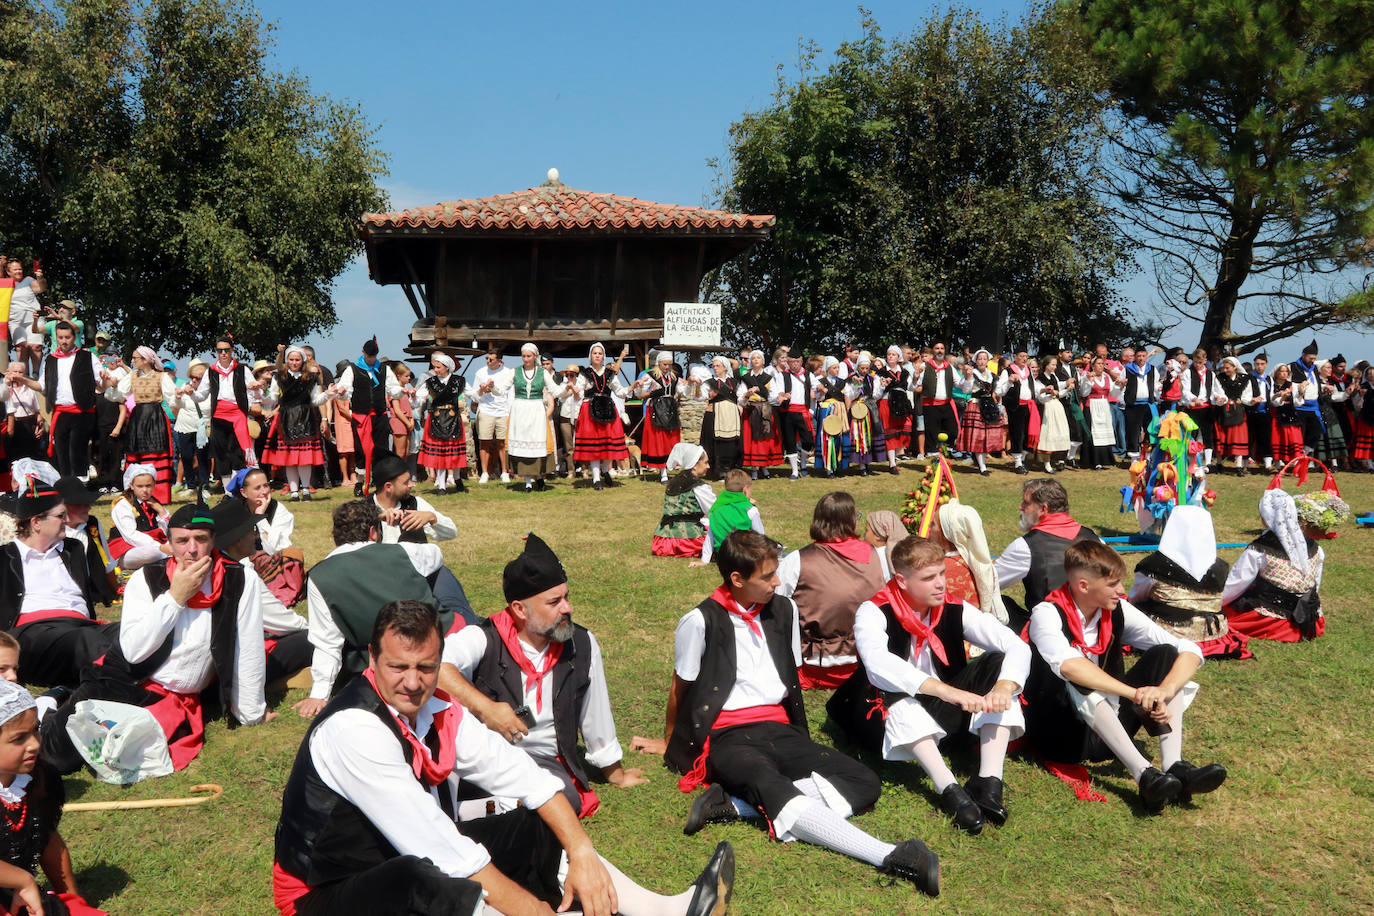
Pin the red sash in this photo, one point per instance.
(921, 632)
(172, 712)
(59, 410)
(749, 715)
(505, 628)
(1062, 598)
(49, 614)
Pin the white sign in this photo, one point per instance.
(691, 324)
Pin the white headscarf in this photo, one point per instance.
(24, 468)
(723, 361)
(1240, 370)
(865, 359)
(293, 349)
(135, 470)
(662, 355)
(592, 349)
(1189, 540)
(963, 527)
(14, 700)
(760, 354)
(684, 456)
(1280, 515)
(444, 360)
(529, 347)
(893, 348)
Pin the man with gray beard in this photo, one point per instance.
(1036, 559)
(535, 678)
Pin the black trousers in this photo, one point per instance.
(796, 432)
(522, 847)
(1018, 425)
(98, 682)
(225, 448)
(404, 886)
(1205, 419)
(759, 764)
(448, 591)
(108, 451)
(1261, 427)
(54, 652)
(71, 442)
(1311, 428)
(291, 653)
(940, 418)
(1137, 423)
(1057, 733)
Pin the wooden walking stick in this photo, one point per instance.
(200, 794)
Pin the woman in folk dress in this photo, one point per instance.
(600, 434)
(1056, 435)
(1096, 387)
(294, 440)
(148, 439)
(984, 426)
(662, 390)
(444, 445)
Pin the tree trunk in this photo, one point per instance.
(1237, 256)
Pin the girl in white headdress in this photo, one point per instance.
(895, 407)
(138, 522)
(720, 424)
(662, 388)
(600, 433)
(1272, 591)
(756, 393)
(146, 393)
(833, 447)
(531, 444)
(294, 440)
(444, 445)
(983, 426)
(1233, 394)
(688, 498)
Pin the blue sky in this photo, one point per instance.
(474, 99)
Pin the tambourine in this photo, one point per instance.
(833, 425)
(858, 410)
(254, 428)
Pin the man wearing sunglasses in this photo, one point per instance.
(231, 389)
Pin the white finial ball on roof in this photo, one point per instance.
(553, 176)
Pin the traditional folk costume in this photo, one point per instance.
(732, 511)
(138, 528)
(1179, 586)
(1016, 388)
(1309, 412)
(1057, 436)
(1234, 393)
(1036, 559)
(984, 428)
(1362, 446)
(974, 577)
(895, 407)
(1331, 447)
(1258, 418)
(563, 684)
(1097, 447)
(368, 386)
(1170, 386)
(828, 581)
(231, 446)
(866, 434)
(100, 563)
(444, 446)
(293, 439)
(1200, 393)
(600, 433)
(530, 440)
(681, 530)
(280, 565)
(1140, 391)
(936, 385)
(834, 445)
(1072, 402)
(69, 380)
(148, 431)
(762, 445)
(793, 410)
(166, 654)
(1286, 431)
(721, 423)
(1273, 591)
(662, 419)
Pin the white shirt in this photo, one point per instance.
(64, 375)
(442, 529)
(47, 584)
(277, 618)
(906, 675)
(22, 400)
(393, 387)
(1138, 632)
(276, 534)
(325, 634)
(465, 649)
(123, 517)
(226, 385)
(358, 757)
(496, 402)
(757, 682)
(1019, 389)
(942, 391)
(1013, 563)
(189, 669)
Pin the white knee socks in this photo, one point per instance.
(927, 754)
(818, 825)
(1108, 728)
(635, 900)
(293, 477)
(992, 749)
(1171, 745)
(982, 460)
(596, 471)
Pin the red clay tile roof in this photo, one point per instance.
(557, 206)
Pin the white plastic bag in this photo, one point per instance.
(122, 743)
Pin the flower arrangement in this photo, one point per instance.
(8, 527)
(1322, 511)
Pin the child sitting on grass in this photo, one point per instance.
(138, 522)
(681, 531)
(733, 510)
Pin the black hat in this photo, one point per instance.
(387, 468)
(74, 492)
(232, 520)
(194, 518)
(370, 347)
(38, 497)
(1338, 358)
(1261, 355)
(536, 570)
(1310, 348)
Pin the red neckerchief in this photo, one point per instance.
(446, 720)
(1062, 598)
(505, 628)
(852, 549)
(63, 354)
(922, 633)
(938, 367)
(200, 599)
(726, 600)
(225, 373)
(1059, 524)
(1021, 372)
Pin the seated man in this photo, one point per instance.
(344, 590)
(169, 649)
(1078, 680)
(535, 638)
(736, 718)
(367, 821)
(914, 670)
(1036, 558)
(84, 527)
(46, 593)
(285, 639)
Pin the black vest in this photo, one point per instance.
(1045, 686)
(417, 536)
(498, 675)
(1151, 386)
(706, 695)
(223, 630)
(82, 381)
(239, 385)
(322, 837)
(928, 380)
(369, 397)
(12, 578)
(1047, 562)
(1162, 569)
(789, 378)
(441, 393)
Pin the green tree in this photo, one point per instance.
(1245, 160)
(916, 177)
(168, 178)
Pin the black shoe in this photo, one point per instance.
(358, 490)
(307, 495)
(540, 486)
(1158, 788)
(710, 807)
(892, 469)
(913, 861)
(959, 806)
(713, 887)
(986, 792)
(985, 473)
(1020, 469)
(610, 481)
(529, 486)
(1197, 780)
(598, 485)
(766, 475)
(461, 488)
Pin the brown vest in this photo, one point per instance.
(829, 591)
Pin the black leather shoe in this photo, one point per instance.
(1197, 780)
(598, 485)
(710, 807)
(986, 792)
(358, 490)
(959, 806)
(913, 861)
(460, 488)
(713, 887)
(1158, 788)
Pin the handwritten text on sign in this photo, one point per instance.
(691, 324)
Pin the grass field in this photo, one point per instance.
(1288, 833)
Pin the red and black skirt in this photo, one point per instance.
(762, 444)
(598, 441)
(293, 439)
(444, 445)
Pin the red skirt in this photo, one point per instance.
(977, 436)
(898, 434)
(599, 441)
(657, 445)
(1287, 442)
(1261, 626)
(443, 454)
(1234, 440)
(291, 453)
(679, 547)
(761, 453)
(1362, 445)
